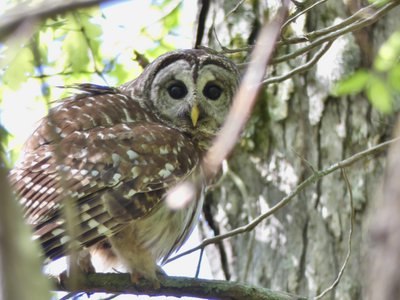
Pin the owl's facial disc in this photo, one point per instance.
(193, 98)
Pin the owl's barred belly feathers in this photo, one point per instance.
(115, 152)
(155, 238)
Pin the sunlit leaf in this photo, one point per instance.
(4, 135)
(92, 30)
(389, 53)
(19, 69)
(120, 72)
(394, 77)
(379, 95)
(172, 19)
(353, 84)
(378, 2)
(76, 50)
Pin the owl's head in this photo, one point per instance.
(188, 89)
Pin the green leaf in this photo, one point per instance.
(93, 31)
(171, 21)
(19, 69)
(353, 84)
(76, 50)
(394, 77)
(119, 71)
(4, 137)
(378, 2)
(388, 54)
(378, 93)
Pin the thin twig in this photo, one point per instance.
(93, 55)
(362, 18)
(199, 263)
(69, 296)
(346, 260)
(333, 35)
(111, 297)
(298, 14)
(362, 13)
(308, 65)
(234, 9)
(284, 201)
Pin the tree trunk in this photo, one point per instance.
(298, 126)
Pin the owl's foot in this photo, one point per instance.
(136, 278)
(85, 262)
(160, 272)
(77, 269)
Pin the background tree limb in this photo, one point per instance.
(25, 12)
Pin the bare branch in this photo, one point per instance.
(308, 65)
(346, 260)
(283, 202)
(298, 14)
(176, 286)
(362, 13)
(234, 9)
(333, 33)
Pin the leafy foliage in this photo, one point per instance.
(71, 48)
(382, 82)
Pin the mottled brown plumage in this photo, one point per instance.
(114, 152)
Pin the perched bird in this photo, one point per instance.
(113, 153)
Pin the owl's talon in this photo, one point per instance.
(160, 272)
(85, 262)
(136, 278)
(68, 281)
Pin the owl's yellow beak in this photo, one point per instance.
(194, 114)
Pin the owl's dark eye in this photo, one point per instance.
(177, 90)
(212, 91)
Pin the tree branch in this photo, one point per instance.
(26, 12)
(308, 65)
(347, 258)
(298, 14)
(175, 286)
(335, 31)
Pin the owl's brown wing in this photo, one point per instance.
(114, 174)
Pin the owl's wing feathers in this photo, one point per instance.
(126, 168)
(116, 173)
(95, 106)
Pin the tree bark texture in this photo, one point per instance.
(297, 126)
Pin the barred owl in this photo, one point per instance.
(115, 152)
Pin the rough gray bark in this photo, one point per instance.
(299, 125)
(384, 243)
